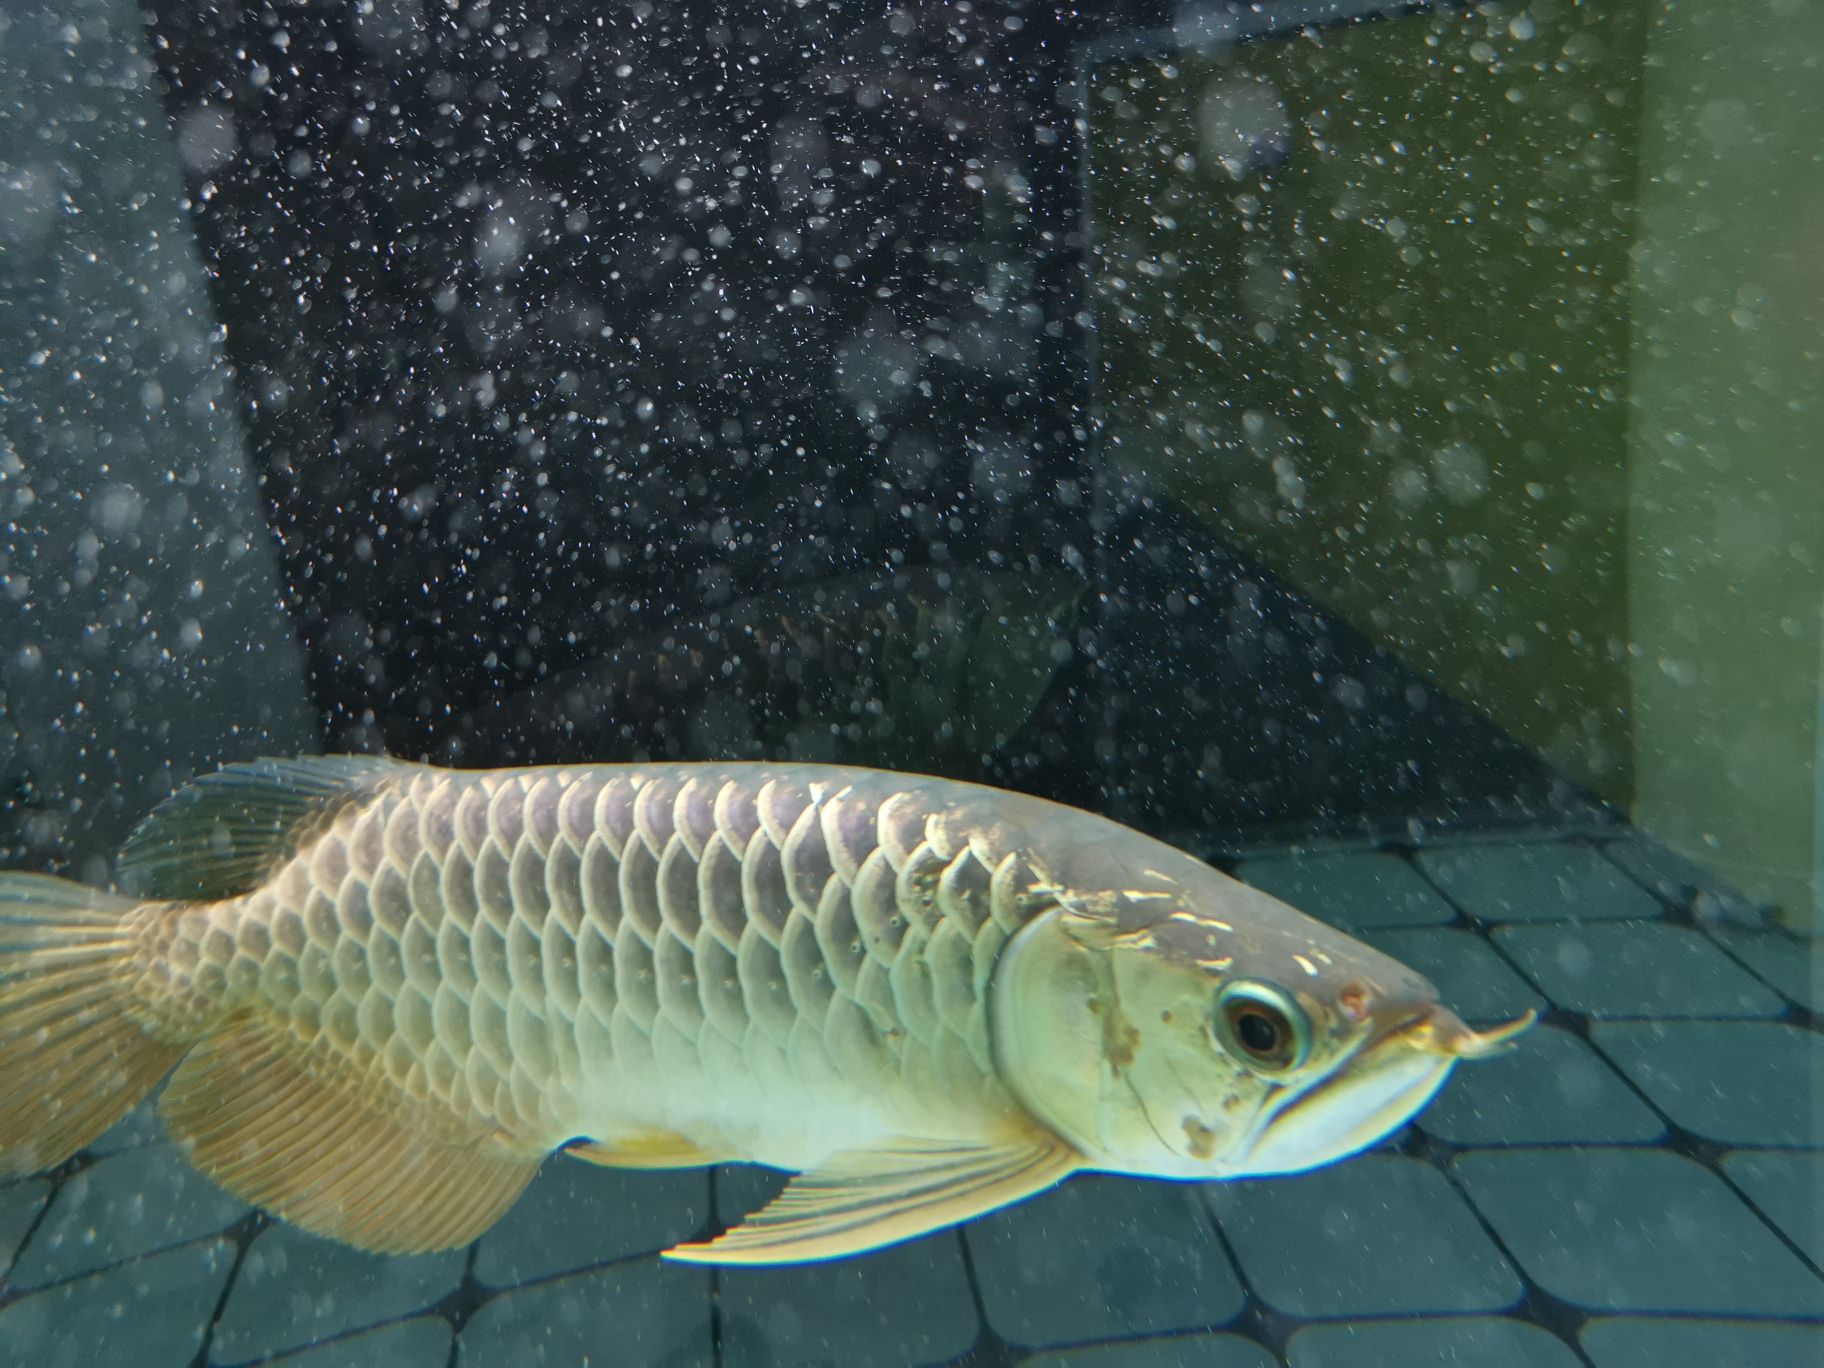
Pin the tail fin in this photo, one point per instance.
(72, 1060)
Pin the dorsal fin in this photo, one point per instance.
(222, 834)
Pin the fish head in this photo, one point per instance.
(1208, 1030)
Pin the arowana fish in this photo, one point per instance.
(389, 992)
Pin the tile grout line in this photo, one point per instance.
(1562, 1320)
(242, 1233)
(1256, 1321)
(1673, 1143)
(1460, 920)
(987, 1349)
(1766, 1219)
(9, 1293)
(1684, 907)
(1682, 914)
(1678, 1139)
(1796, 1013)
(458, 1316)
(991, 1349)
(1578, 1024)
(449, 1308)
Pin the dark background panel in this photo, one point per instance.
(566, 334)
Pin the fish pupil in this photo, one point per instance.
(1258, 1034)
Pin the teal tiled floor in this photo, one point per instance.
(423, 1342)
(561, 1223)
(1536, 881)
(1788, 1187)
(1470, 973)
(1639, 1183)
(1636, 969)
(641, 1312)
(1552, 1089)
(912, 1304)
(294, 1289)
(1636, 1230)
(149, 1311)
(1183, 1351)
(1137, 1261)
(1318, 1248)
(122, 1207)
(1711, 1343)
(20, 1204)
(1356, 890)
(1770, 955)
(1734, 1082)
(1472, 1342)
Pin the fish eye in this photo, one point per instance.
(1262, 1026)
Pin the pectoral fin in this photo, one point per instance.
(866, 1199)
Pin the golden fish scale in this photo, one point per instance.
(510, 944)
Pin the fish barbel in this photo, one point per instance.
(385, 993)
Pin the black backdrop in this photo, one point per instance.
(559, 324)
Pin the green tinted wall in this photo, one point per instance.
(1728, 467)
(1362, 299)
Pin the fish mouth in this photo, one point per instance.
(1383, 1083)
(1439, 1031)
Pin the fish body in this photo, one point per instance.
(391, 991)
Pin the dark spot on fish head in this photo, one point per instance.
(1199, 1138)
(1119, 1042)
(1355, 1000)
(1166, 1016)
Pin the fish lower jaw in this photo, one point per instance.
(1343, 1118)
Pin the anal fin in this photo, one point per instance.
(866, 1199)
(292, 1132)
